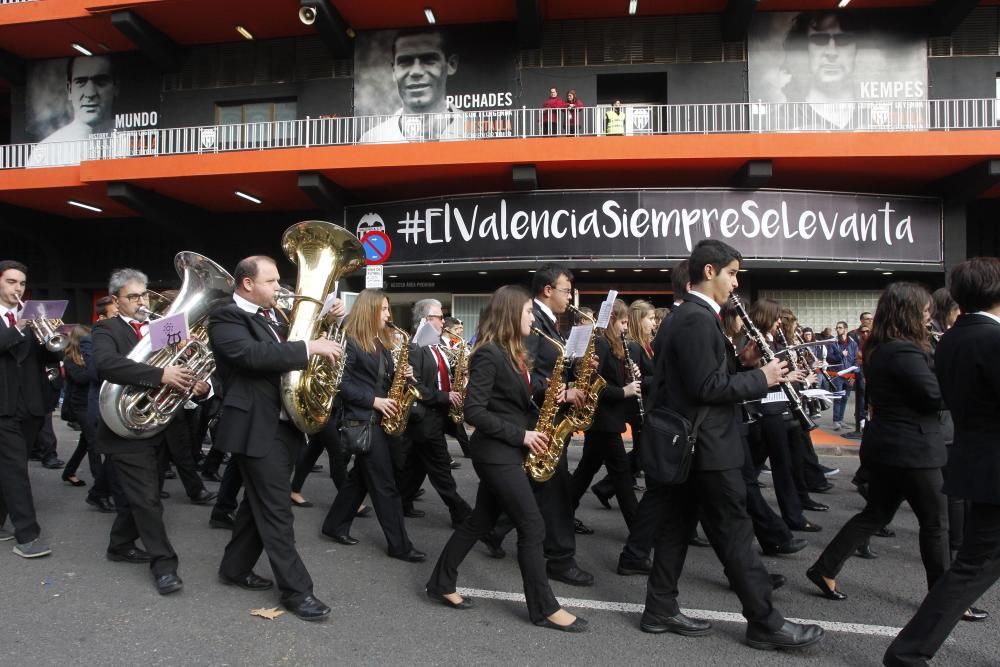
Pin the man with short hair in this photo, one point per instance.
(22, 409)
(859, 336)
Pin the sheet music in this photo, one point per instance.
(579, 337)
(330, 298)
(604, 315)
(45, 310)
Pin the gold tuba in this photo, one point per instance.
(541, 467)
(323, 253)
(401, 390)
(138, 412)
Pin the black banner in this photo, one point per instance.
(650, 224)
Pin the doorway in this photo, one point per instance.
(645, 88)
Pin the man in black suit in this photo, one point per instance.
(251, 353)
(22, 408)
(133, 461)
(965, 362)
(703, 381)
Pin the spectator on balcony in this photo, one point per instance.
(422, 61)
(554, 119)
(614, 119)
(574, 119)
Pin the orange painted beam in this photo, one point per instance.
(40, 179)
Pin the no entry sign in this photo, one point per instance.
(377, 247)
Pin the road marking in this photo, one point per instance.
(706, 614)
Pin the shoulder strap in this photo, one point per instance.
(703, 410)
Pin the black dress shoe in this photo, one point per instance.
(308, 609)
(678, 624)
(829, 593)
(249, 582)
(419, 493)
(164, 495)
(808, 527)
(885, 531)
(814, 506)
(698, 541)
(603, 499)
(53, 463)
(578, 625)
(73, 482)
(346, 540)
(317, 468)
(130, 555)
(865, 551)
(580, 528)
(790, 635)
(102, 504)
(777, 581)
(494, 546)
(822, 488)
(168, 583)
(363, 513)
(227, 521)
(629, 567)
(413, 513)
(853, 435)
(169, 474)
(210, 476)
(204, 497)
(975, 615)
(573, 576)
(303, 503)
(791, 546)
(412, 556)
(455, 465)
(466, 603)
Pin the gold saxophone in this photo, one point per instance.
(400, 390)
(541, 467)
(587, 381)
(458, 357)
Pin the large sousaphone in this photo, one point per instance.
(323, 253)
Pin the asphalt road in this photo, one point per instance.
(77, 606)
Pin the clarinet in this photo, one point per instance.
(633, 378)
(794, 400)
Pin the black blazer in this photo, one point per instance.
(543, 353)
(694, 367)
(361, 383)
(966, 365)
(22, 372)
(498, 404)
(77, 389)
(112, 340)
(249, 361)
(611, 406)
(428, 414)
(904, 396)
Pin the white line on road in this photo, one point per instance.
(706, 614)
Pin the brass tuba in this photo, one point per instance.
(138, 412)
(323, 253)
(400, 390)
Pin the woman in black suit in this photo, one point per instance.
(368, 373)
(498, 403)
(77, 391)
(602, 443)
(902, 447)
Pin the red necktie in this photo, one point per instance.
(137, 327)
(10, 320)
(442, 371)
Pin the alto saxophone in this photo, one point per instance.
(587, 381)
(400, 391)
(459, 359)
(541, 467)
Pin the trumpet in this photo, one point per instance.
(45, 331)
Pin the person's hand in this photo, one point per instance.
(576, 397)
(750, 355)
(338, 309)
(635, 370)
(535, 441)
(455, 398)
(775, 371)
(201, 388)
(20, 324)
(796, 375)
(386, 406)
(178, 377)
(632, 389)
(408, 372)
(850, 382)
(595, 362)
(325, 347)
(811, 380)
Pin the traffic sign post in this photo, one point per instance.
(377, 247)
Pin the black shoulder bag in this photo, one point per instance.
(668, 445)
(356, 435)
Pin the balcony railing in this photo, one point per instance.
(634, 120)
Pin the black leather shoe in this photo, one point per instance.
(346, 540)
(204, 497)
(791, 546)
(777, 581)
(808, 527)
(580, 528)
(698, 541)
(975, 615)
(629, 567)
(885, 531)
(413, 513)
(822, 488)
(494, 546)
(466, 603)
(865, 551)
(168, 583)
(169, 474)
(308, 609)
(303, 503)
(814, 506)
(790, 635)
(130, 555)
(829, 593)
(579, 625)
(53, 463)
(227, 521)
(412, 556)
(248, 582)
(317, 468)
(164, 495)
(853, 435)
(102, 504)
(455, 465)
(363, 513)
(603, 499)
(679, 624)
(573, 576)
(419, 493)
(73, 482)
(210, 476)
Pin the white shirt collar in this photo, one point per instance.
(245, 305)
(4, 310)
(716, 308)
(545, 309)
(989, 315)
(129, 320)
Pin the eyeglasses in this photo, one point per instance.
(135, 298)
(433, 317)
(838, 39)
(565, 290)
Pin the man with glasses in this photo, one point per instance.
(134, 462)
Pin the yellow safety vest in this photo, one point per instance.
(615, 122)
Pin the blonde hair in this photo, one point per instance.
(73, 347)
(500, 323)
(637, 312)
(364, 323)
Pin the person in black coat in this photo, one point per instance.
(966, 367)
(602, 443)
(902, 448)
(23, 393)
(78, 393)
(499, 404)
(703, 379)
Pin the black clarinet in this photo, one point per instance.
(794, 400)
(631, 374)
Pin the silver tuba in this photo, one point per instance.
(139, 412)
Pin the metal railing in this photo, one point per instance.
(634, 120)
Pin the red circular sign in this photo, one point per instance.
(377, 247)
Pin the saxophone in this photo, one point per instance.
(458, 357)
(541, 467)
(400, 390)
(587, 380)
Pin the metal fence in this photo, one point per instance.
(631, 120)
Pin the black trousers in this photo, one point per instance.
(458, 432)
(888, 486)
(606, 487)
(721, 497)
(140, 512)
(328, 438)
(769, 528)
(16, 435)
(810, 475)
(43, 445)
(975, 569)
(229, 490)
(783, 453)
(177, 448)
(429, 458)
(372, 474)
(264, 520)
(642, 533)
(607, 449)
(502, 488)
